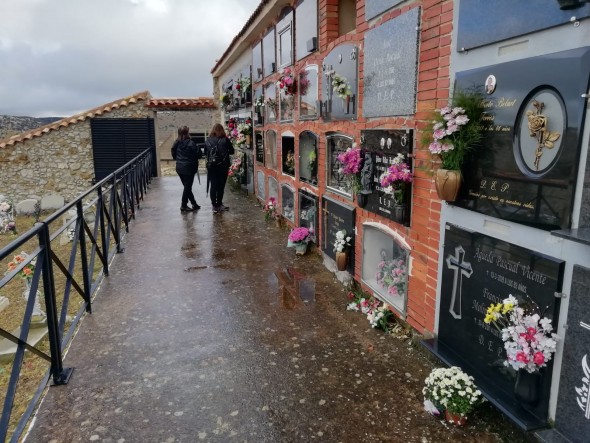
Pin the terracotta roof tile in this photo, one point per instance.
(65, 122)
(181, 103)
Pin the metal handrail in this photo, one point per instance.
(115, 199)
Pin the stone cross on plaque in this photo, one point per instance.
(461, 268)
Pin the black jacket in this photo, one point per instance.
(225, 148)
(187, 156)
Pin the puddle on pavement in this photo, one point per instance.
(219, 266)
(293, 288)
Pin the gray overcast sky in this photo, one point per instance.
(61, 57)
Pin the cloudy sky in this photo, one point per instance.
(61, 57)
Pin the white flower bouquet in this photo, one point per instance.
(450, 389)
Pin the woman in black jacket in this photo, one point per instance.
(187, 157)
(218, 148)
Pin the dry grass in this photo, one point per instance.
(34, 367)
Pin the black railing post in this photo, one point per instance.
(59, 374)
(116, 221)
(80, 222)
(103, 237)
(125, 201)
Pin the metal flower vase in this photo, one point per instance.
(448, 183)
(341, 260)
(300, 248)
(527, 387)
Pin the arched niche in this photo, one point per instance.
(261, 186)
(270, 150)
(308, 157)
(288, 202)
(386, 264)
(308, 93)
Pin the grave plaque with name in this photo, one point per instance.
(572, 417)
(391, 52)
(260, 186)
(477, 271)
(335, 217)
(340, 65)
(480, 23)
(526, 169)
(381, 148)
(375, 7)
(259, 146)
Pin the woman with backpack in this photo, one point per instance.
(187, 157)
(218, 149)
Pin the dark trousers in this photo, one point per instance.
(187, 193)
(218, 178)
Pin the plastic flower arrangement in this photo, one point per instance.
(290, 162)
(528, 339)
(232, 129)
(245, 127)
(352, 162)
(287, 82)
(270, 210)
(341, 87)
(378, 314)
(392, 276)
(235, 170)
(259, 102)
(394, 180)
(304, 83)
(451, 389)
(456, 129)
(26, 272)
(299, 235)
(243, 85)
(342, 242)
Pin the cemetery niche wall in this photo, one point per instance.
(339, 95)
(381, 148)
(337, 216)
(526, 169)
(478, 270)
(308, 157)
(385, 266)
(391, 53)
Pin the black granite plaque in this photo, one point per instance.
(477, 271)
(391, 52)
(520, 174)
(482, 22)
(259, 145)
(308, 213)
(381, 146)
(573, 403)
(341, 61)
(585, 207)
(335, 217)
(375, 7)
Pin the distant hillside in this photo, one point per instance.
(11, 125)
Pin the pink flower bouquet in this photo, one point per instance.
(299, 235)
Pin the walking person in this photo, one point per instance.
(187, 157)
(218, 149)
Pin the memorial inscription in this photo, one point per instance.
(382, 146)
(336, 216)
(477, 271)
(390, 67)
(527, 166)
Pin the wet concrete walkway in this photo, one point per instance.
(210, 329)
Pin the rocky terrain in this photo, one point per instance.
(12, 125)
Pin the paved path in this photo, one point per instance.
(210, 329)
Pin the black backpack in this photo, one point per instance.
(216, 154)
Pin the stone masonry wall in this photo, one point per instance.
(58, 162)
(168, 122)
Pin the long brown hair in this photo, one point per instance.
(183, 133)
(217, 131)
